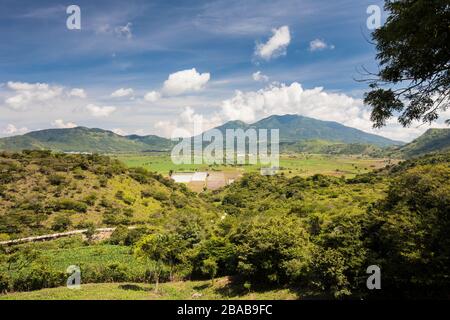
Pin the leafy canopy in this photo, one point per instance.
(413, 52)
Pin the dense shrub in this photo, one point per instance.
(61, 223)
(69, 204)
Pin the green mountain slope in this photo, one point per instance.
(81, 139)
(433, 140)
(43, 192)
(294, 128)
(330, 147)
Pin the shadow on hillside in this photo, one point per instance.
(133, 287)
(202, 287)
(234, 288)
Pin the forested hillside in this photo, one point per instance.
(43, 192)
(433, 140)
(315, 235)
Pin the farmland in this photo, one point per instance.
(290, 164)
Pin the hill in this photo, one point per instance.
(42, 192)
(81, 139)
(294, 128)
(331, 147)
(433, 140)
(315, 233)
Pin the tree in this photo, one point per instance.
(210, 267)
(407, 233)
(414, 56)
(162, 250)
(275, 250)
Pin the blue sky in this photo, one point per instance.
(219, 52)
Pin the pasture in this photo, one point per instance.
(290, 164)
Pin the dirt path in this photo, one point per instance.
(101, 233)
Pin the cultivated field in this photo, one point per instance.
(290, 164)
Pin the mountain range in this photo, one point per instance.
(292, 129)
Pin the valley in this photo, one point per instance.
(229, 232)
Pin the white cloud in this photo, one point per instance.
(152, 96)
(316, 103)
(77, 92)
(187, 124)
(185, 81)
(258, 76)
(98, 111)
(11, 129)
(119, 131)
(124, 31)
(30, 93)
(276, 46)
(59, 123)
(319, 45)
(122, 92)
(284, 99)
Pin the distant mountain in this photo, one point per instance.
(81, 139)
(294, 128)
(433, 140)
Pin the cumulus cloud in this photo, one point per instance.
(185, 81)
(258, 76)
(122, 92)
(276, 46)
(315, 103)
(11, 129)
(29, 93)
(59, 123)
(77, 92)
(100, 111)
(152, 96)
(319, 45)
(187, 124)
(293, 99)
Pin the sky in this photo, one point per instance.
(154, 67)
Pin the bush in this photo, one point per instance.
(36, 277)
(69, 204)
(61, 223)
(90, 199)
(57, 180)
(273, 250)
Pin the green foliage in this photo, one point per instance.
(69, 204)
(61, 223)
(56, 179)
(38, 186)
(274, 250)
(433, 140)
(407, 233)
(414, 54)
(209, 267)
(318, 233)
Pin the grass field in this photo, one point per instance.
(291, 165)
(222, 288)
